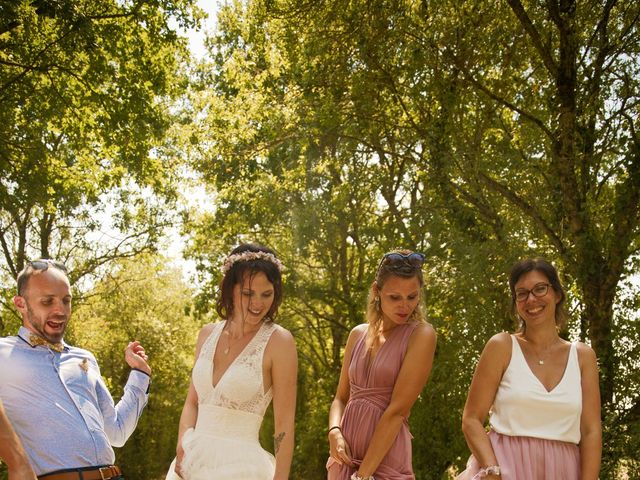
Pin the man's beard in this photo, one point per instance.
(40, 326)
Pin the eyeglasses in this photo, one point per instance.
(539, 290)
(45, 263)
(415, 259)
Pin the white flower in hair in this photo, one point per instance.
(248, 256)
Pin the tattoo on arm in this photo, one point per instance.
(277, 440)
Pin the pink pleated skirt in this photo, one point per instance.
(528, 458)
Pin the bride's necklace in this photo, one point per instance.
(231, 342)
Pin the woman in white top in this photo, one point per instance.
(242, 363)
(541, 392)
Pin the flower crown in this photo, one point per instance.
(248, 256)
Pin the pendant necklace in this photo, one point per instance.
(541, 360)
(229, 342)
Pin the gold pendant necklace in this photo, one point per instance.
(546, 351)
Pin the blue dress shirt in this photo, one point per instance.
(60, 407)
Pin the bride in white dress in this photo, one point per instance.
(242, 363)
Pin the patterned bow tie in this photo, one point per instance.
(37, 340)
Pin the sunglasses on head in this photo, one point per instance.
(45, 263)
(415, 259)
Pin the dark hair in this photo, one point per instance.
(543, 266)
(35, 267)
(236, 273)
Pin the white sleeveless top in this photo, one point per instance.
(241, 386)
(224, 442)
(523, 406)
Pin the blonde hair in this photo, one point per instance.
(387, 269)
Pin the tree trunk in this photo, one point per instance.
(598, 298)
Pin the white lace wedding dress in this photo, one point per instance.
(224, 443)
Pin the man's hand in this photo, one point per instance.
(136, 358)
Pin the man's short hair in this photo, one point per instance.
(34, 267)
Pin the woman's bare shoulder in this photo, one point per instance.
(586, 354)
(498, 348)
(205, 331)
(282, 336)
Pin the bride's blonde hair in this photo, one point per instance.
(390, 265)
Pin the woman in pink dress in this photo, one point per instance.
(386, 365)
(542, 392)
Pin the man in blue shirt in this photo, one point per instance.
(53, 393)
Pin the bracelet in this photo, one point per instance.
(355, 476)
(490, 470)
(333, 428)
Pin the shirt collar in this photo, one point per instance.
(24, 333)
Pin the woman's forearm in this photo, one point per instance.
(590, 455)
(383, 437)
(283, 444)
(11, 450)
(478, 442)
(335, 412)
(187, 419)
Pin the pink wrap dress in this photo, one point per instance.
(371, 386)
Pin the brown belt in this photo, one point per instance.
(98, 473)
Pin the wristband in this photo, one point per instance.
(334, 428)
(490, 470)
(355, 476)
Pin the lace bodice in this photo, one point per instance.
(241, 387)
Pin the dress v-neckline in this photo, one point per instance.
(369, 362)
(232, 363)
(564, 373)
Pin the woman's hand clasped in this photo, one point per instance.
(338, 448)
(179, 458)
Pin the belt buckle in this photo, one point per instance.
(102, 475)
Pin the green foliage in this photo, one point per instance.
(85, 95)
(477, 132)
(143, 300)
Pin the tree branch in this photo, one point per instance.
(510, 106)
(526, 208)
(527, 24)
